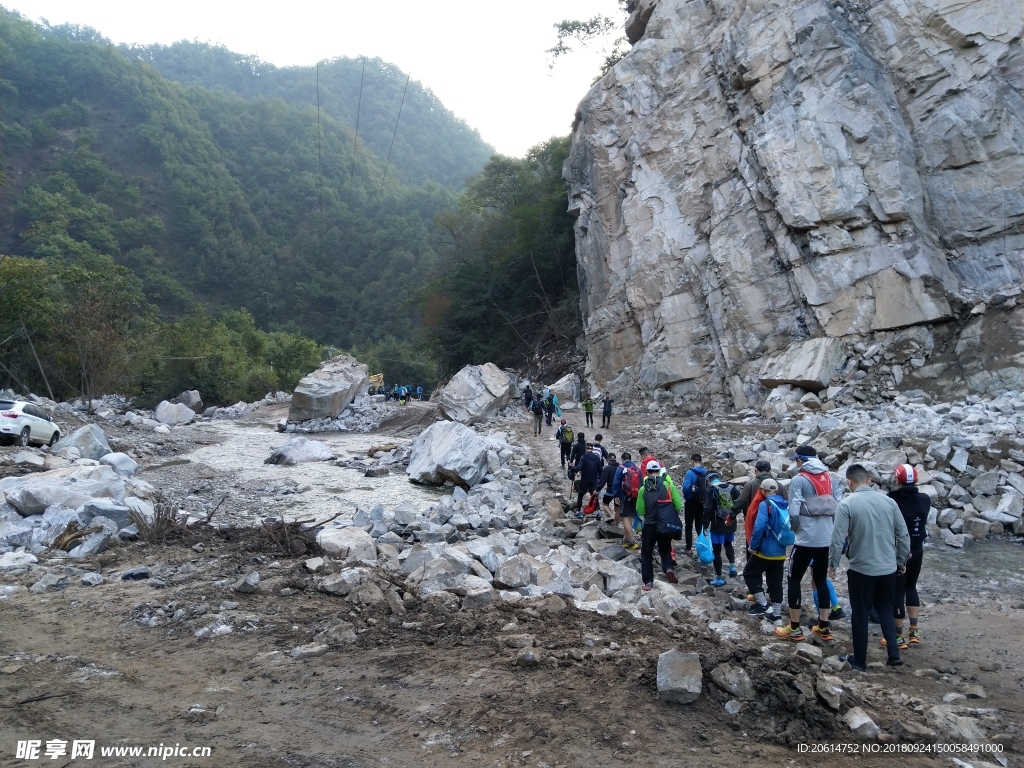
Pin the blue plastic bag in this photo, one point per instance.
(704, 552)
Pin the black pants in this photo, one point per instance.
(867, 592)
(652, 539)
(905, 591)
(817, 559)
(564, 449)
(549, 415)
(693, 513)
(772, 570)
(729, 553)
(582, 490)
(606, 420)
(590, 418)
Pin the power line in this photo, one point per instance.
(393, 135)
(359, 111)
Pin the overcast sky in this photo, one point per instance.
(484, 59)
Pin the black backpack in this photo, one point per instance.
(701, 492)
(538, 408)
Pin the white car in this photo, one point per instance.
(24, 423)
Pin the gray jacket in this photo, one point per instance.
(811, 531)
(879, 540)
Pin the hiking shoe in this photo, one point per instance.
(848, 658)
(900, 643)
(914, 637)
(647, 587)
(894, 663)
(732, 571)
(688, 552)
(718, 582)
(822, 633)
(671, 576)
(788, 633)
(837, 612)
(758, 610)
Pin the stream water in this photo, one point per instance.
(314, 489)
(994, 562)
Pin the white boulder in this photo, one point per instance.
(447, 450)
(121, 463)
(89, 441)
(192, 399)
(567, 389)
(810, 364)
(299, 450)
(173, 414)
(475, 393)
(347, 543)
(327, 390)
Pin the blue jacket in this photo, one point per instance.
(762, 540)
(691, 479)
(617, 482)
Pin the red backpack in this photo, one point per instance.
(632, 479)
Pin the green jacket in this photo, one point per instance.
(677, 500)
(588, 405)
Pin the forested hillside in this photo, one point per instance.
(220, 231)
(207, 196)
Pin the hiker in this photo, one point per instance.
(879, 545)
(538, 414)
(719, 518)
(600, 446)
(528, 398)
(693, 495)
(555, 407)
(564, 437)
(813, 496)
(914, 507)
(403, 396)
(578, 449)
(589, 470)
(766, 550)
(549, 408)
(646, 457)
(659, 502)
(625, 488)
(419, 393)
(606, 411)
(588, 409)
(605, 484)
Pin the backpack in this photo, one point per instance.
(567, 435)
(781, 530)
(823, 504)
(701, 490)
(721, 495)
(632, 478)
(538, 408)
(591, 506)
(664, 517)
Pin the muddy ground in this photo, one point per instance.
(422, 684)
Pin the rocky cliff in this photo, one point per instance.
(783, 192)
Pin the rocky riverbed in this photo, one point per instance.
(486, 623)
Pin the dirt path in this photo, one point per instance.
(431, 686)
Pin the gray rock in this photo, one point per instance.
(449, 451)
(810, 364)
(475, 393)
(108, 508)
(248, 583)
(347, 543)
(299, 450)
(310, 651)
(985, 483)
(121, 463)
(830, 689)
(861, 725)
(192, 399)
(810, 653)
(89, 441)
(138, 573)
(49, 581)
(325, 392)
(513, 572)
(16, 560)
(529, 658)
(680, 679)
(92, 579)
(733, 679)
(173, 414)
(959, 460)
(343, 584)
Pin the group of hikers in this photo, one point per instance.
(545, 408)
(811, 524)
(402, 393)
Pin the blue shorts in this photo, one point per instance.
(721, 538)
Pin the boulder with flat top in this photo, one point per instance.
(325, 392)
(475, 393)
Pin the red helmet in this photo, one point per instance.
(906, 474)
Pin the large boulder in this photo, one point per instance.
(327, 390)
(810, 364)
(299, 450)
(71, 488)
(121, 463)
(89, 440)
(447, 450)
(192, 399)
(475, 393)
(680, 678)
(347, 543)
(567, 389)
(173, 414)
